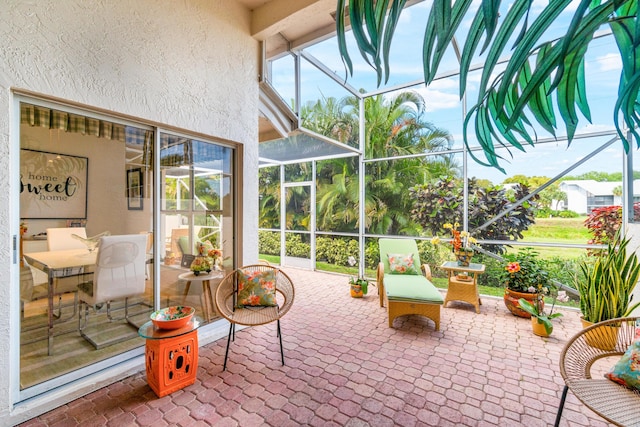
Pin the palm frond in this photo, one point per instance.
(541, 75)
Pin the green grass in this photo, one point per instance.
(558, 230)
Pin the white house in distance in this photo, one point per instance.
(585, 195)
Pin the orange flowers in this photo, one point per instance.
(513, 267)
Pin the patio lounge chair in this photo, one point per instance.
(614, 402)
(408, 292)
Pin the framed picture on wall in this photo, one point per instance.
(52, 185)
(134, 189)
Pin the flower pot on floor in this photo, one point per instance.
(511, 302)
(539, 329)
(356, 291)
(603, 337)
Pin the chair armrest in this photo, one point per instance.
(380, 282)
(426, 270)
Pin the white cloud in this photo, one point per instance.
(609, 62)
(436, 100)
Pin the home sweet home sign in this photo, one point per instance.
(52, 185)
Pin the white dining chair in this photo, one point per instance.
(59, 239)
(119, 274)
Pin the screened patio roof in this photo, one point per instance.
(300, 146)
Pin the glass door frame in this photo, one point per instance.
(283, 215)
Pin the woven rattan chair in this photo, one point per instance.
(614, 402)
(225, 302)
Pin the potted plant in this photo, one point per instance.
(359, 286)
(524, 278)
(605, 282)
(540, 322)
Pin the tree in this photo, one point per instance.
(395, 127)
(440, 202)
(543, 73)
(551, 196)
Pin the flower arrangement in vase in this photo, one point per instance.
(199, 264)
(215, 257)
(461, 243)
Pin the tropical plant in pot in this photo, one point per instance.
(605, 282)
(540, 322)
(524, 278)
(359, 286)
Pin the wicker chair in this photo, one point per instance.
(225, 302)
(616, 403)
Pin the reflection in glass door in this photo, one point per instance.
(299, 215)
(105, 167)
(196, 220)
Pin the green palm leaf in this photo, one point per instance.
(504, 100)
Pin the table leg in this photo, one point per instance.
(186, 291)
(206, 294)
(50, 314)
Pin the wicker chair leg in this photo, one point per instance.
(281, 349)
(226, 353)
(561, 407)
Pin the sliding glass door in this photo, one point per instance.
(85, 176)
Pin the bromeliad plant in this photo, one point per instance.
(606, 281)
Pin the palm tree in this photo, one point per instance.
(395, 126)
(539, 65)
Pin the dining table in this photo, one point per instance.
(56, 264)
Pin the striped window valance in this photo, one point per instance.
(37, 116)
(34, 115)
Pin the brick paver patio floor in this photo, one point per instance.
(345, 366)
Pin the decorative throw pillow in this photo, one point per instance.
(256, 288)
(402, 264)
(627, 370)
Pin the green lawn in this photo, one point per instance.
(558, 230)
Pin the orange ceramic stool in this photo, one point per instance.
(171, 357)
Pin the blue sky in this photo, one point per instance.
(443, 105)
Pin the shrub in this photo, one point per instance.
(296, 247)
(269, 242)
(336, 250)
(441, 202)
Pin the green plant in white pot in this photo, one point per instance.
(606, 281)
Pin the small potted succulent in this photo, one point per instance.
(359, 286)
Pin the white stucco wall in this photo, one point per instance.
(190, 64)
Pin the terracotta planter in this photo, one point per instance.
(356, 291)
(511, 301)
(463, 257)
(539, 329)
(604, 337)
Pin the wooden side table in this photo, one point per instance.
(461, 288)
(207, 295)
(171, 356)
